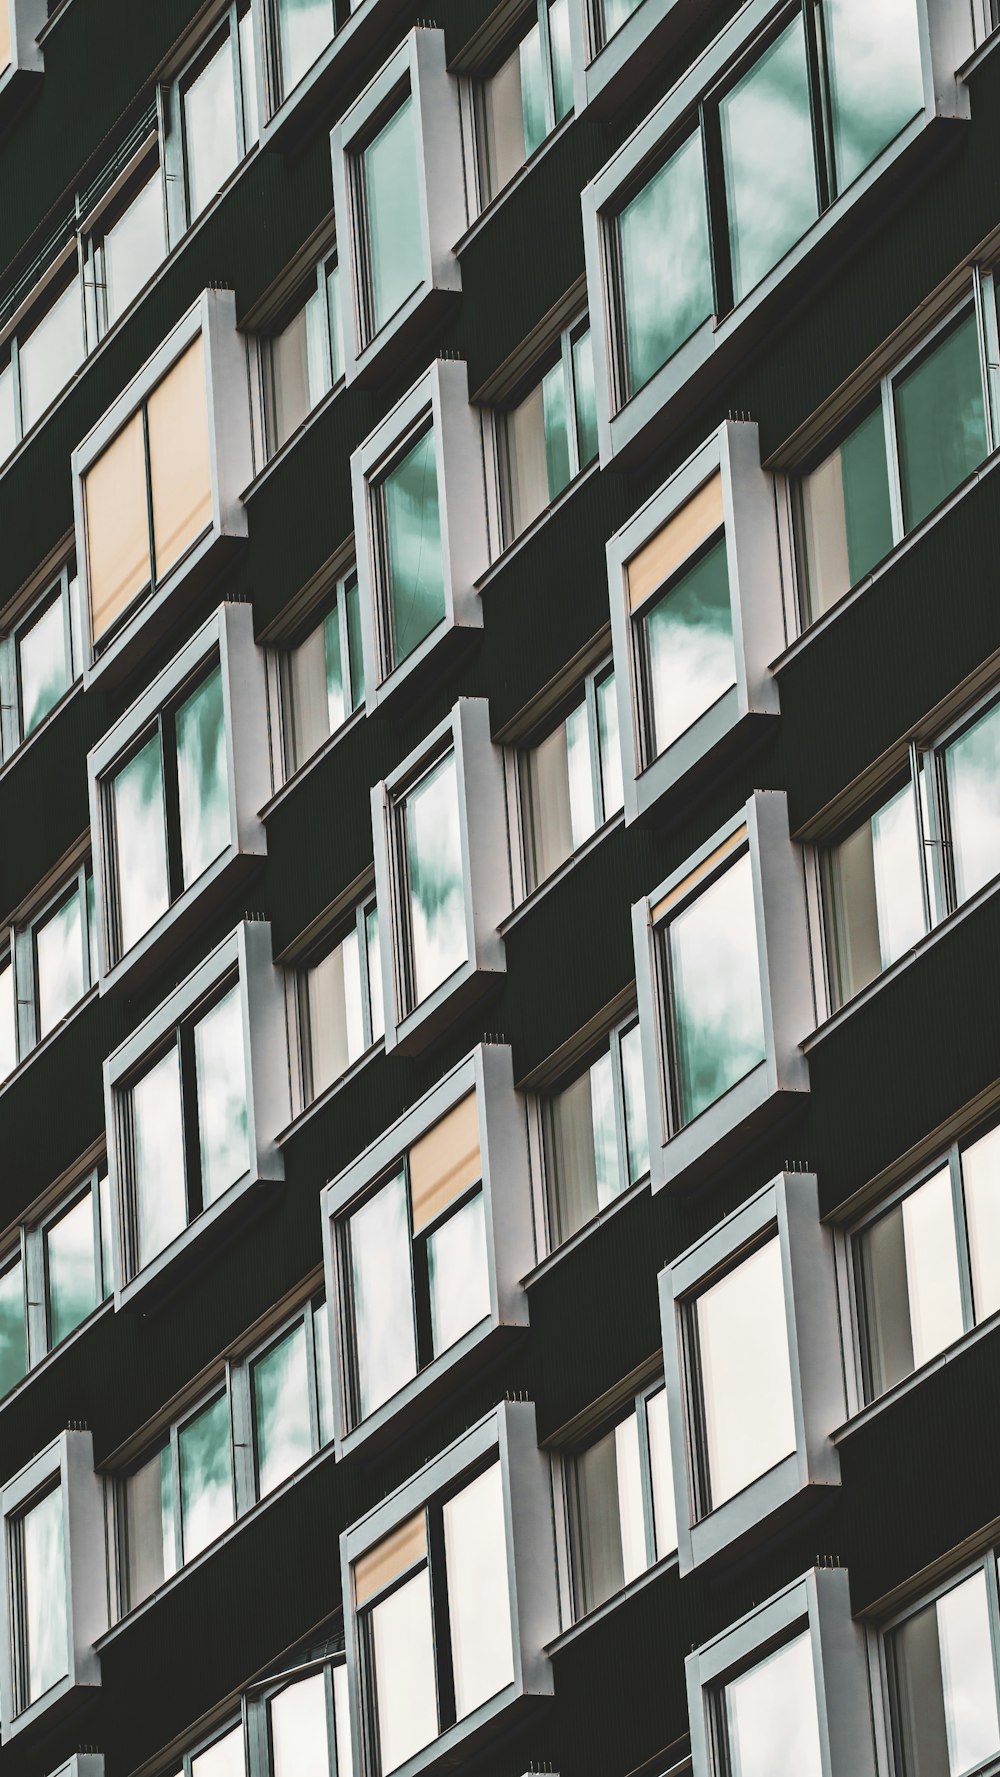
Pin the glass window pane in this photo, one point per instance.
(299, 1745)
(846, 518)
(562, 64)
(877, 896)
(179, 465)
(475, 1545)
(746, 1378)
(248, 77)
(133, 248)
(981, 1178)
(352, 593)
(458, 1274)
(288, 379)
(49, 354)
(336, 1024)
(46, 1650)
(876, 85)
(584, 1170)
(280, 1387)
(226, 1758)
(667, 295)
(503, 118)
(767, 149)
(376, 1003)
(8, 1020)
(149, 1525)
(635, 1105)
(414, 570)
(202, 777)
(534, 93)
(210, 142)
(117, 527)
(940, 421)
(661, 1474)
(945, 1686)
(438, 943)
(334, 324)
(610, 1533)
(913, 1299)
(405, 1680)
(560, 794)
(771, 1715)
(140, 842)
(324, 1379)
(44, 665)
(8, 423)
(972, 775)
(13, 1342)
(614, 13)
(586, 399)
(557, 461)
(527, 468)
(206, 1476)
(70, 1269)
(305, 27)
(689, 646)
(107, 1235)
(715, 990)
(342, 1721)
(220, 1063)
(59, 964)
(158, 1157)
(382, 1292)
(612, 790)
(392, 213)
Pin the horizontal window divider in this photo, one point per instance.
(520, 178)
(511, 550)
(278, 457)
(544, 888)
(326, 1097)
(570, 1636)
(883, 1402)
(582, 1235)
(305, 770)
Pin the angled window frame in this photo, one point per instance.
(819, 1602)
(418, 69)
(61, 587)
(199, 47)
(499, 47)
(18, 949)
(243, 959)
(61, 277)
(258, 1697)
(150, 612)
(465, 733)
(436, 405)
(327, 590)
(227, 639)
(743, 515)
(348, 916)
(142, 169)
(306, 278)
(506, 1192)
(507, 1436)
(66, 1465)
(608, 70)
(684, 1155)
(787, 1210)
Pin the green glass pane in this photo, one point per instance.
(324, 1379)
(107, 1235)
(972, 773)
(876, 84)
(46, 1648)
(940, 421)
(335, 703)
(584, 1172)
(437, 892)
(392, 204)
(667, 291)
(689, 641)
(59, 964)
(413, 542)
(158, 1157)
(70, 1270)
(586, 401)
(140, 843)
(280, 1389)
(357, 661)
(202, 777)
(615, 12)
(715, 991)
(867, 513)
(562, 63)
(220, 1065)
(556, 434)
(767, 148)
(13, 1344)
(206, 1473)
(635, 1104)
(8, 1020)
(45, 669)
(534, 97)
(305, 27)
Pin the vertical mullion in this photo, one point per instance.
(95, 1205)
(89, 975)
(10, 721)
(167, 728)
(149, 493)
(569, 385)
(646, 1475)
(420, 1295)
(34, 1295)
(67, 616)
(892, 461)
(323, 301)
(331, 1721)
(346, 663)
(361, 928)
(190, 1121)
(718, 209)
(594, 740)
(15, 374)
(993, 1604)
(236, 69)
(312, 1369)
(441, 1618)
(819, 106)
(962, 1237)
(618, 1092)
(241, 1432)
(542, 15)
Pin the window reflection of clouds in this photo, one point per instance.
(210, 129)
(876, 84)
(767, 146)
(72, 1283)
(305, 28)
(715, 980)
(13, 1345)
(140, 842)
(202, 777)
(692, 660)
(46, 1644)
(434, 860)
(385, 1341)
(158, 1147)
(206, 1473)
(392, 209)
(44, 667)
(413, 537)
(220, 1060)
(59, 960)
(666, 263)
(281, 1410)
(972, 771)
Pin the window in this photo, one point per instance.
(752, 1703)
(303, 28)
(738, 1331)
(303, 357)
(40, 1644)
(309, 1724)
(430, 843)
(124, 249)
(528, 93)
(40, 660)
(932, 844)
(941, 1667)
(390, 194)
(549, 433)
(218, 108)
(185, 1492)
(661, 305)
(59, 1273)
(609, 17)
(425, 1271)
(622, 1501)
(42, 356)
(408, 504)
(47, 966)
(595, 1134)
(340, 1001)
(901, 454)
(323, 676)
(571, 780)
(926, 1268)
(195, 1098)
(222, 1757)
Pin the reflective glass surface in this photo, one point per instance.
(280, 1388)
(560, 794)
(8, 1020)
(980, 1176)
(150, 1526)
(475, 1547)
(324, 1380)
(946, 1686)
(767, 151)
(414, 570)
(220, 1061)
(8, 422)
(248, 80)
(60, 964)
(610, 1528)
(910, 1277)
(392, 212)
(635, 1105)
(689, 641)
(436, 888)
(226, 1757)
(667, 294)
(72, 1282)
(715, 990)
(458, 1274)
(133, 248)
(538, 457)
(940, 421)
(972, 777)
(210, 140)
(202, 777)
(586, 398)
(49, 355)
(746, 1379)
(385, 1342)
(878, 907)
(376, 1003)
(206, 1477)
(140, 849)
(846, 517)
(661, 1474)
(876, 86)
(305, 27)
(44, 665)
(324, 687)
(13, 1343)
(298, 366)
(771, 1715)
(613, 14)
(562, 58)
(45, 1649)
(336, 1020)
(612, 790)
(405, 1680)
(584, 1168)
(299, 1745)
(158, 1157)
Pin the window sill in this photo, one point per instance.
(47, 1041)
(875, 1409)
(510, 550)
(317, 1105)
(666, 1564)
(584, 1234)
(523, 173)
(569, 864)
(281, 455)
(312, 764)
(56, 710)
(126, 1621)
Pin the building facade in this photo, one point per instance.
(500, 812)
